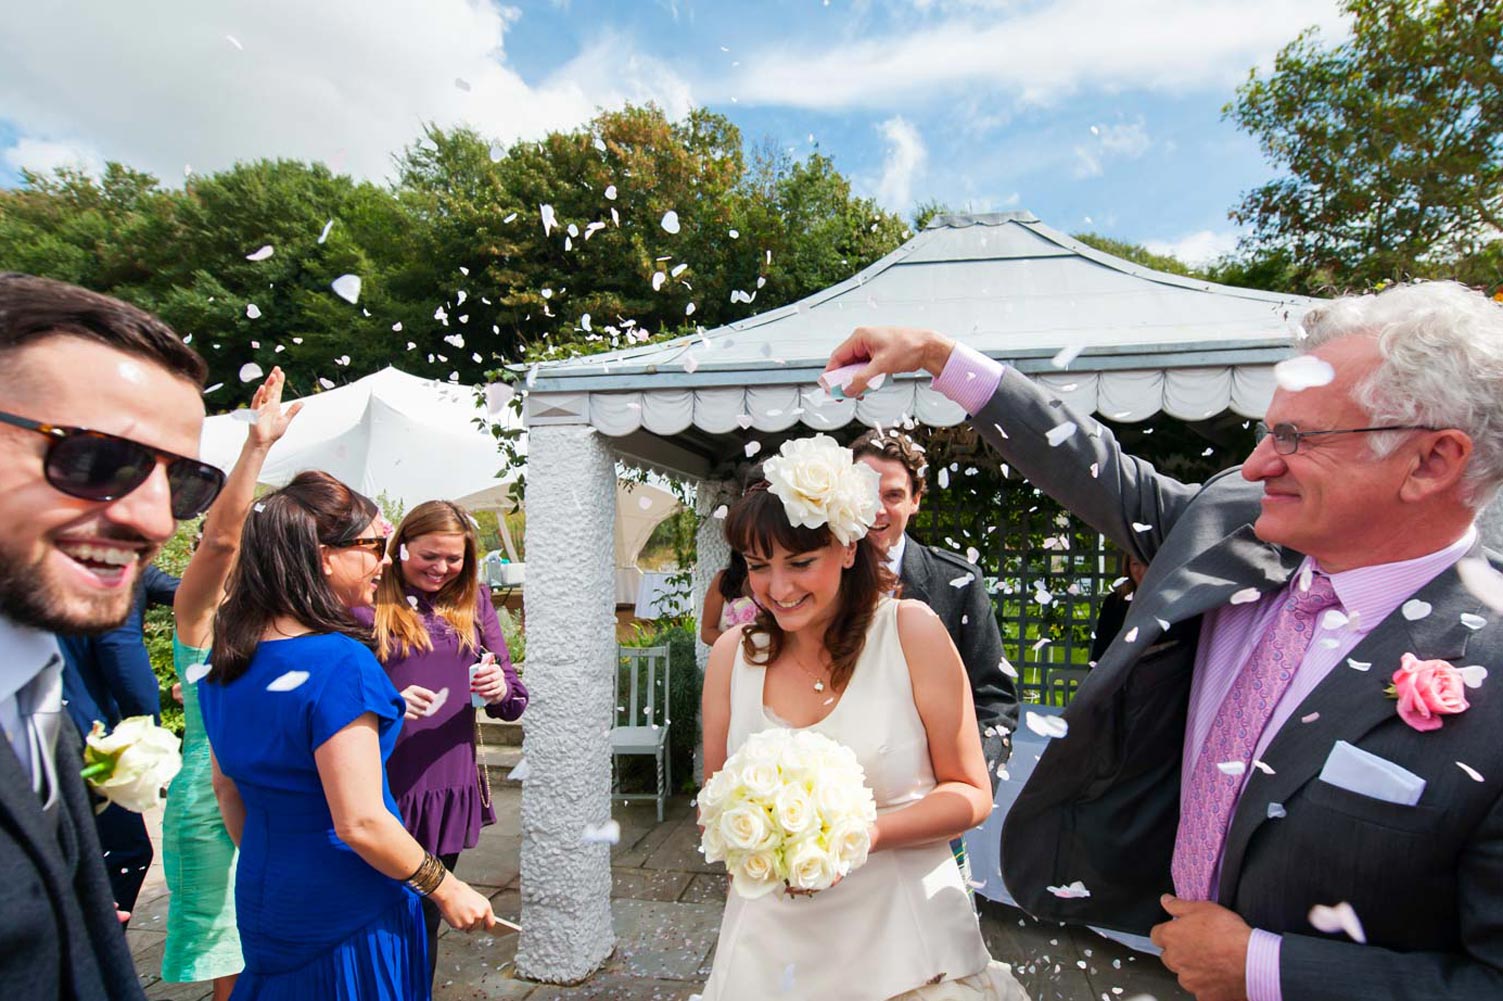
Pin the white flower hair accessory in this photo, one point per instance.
(820, 483)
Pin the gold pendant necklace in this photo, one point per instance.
(819, 683)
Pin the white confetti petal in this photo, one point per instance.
(347, 287)
(608, 833)
(262, 254)
(253, 311)
(1095, 470)
(520, 772)
(1056, 435)
(1045, 725)
(1473, 675)
(235, 42)
(1246, 595)
(1471, 772)
(1309, 718)
(1340, 918)
(752, 448)
(1472, 622)
(690, 362)
(250, 371)
(658, 278)
(1131, 635)
(440, 698)
(1066, 356)
(1415, 609)
(1262, 766)
(545, 212)
(1479, 577)
(195, 673)
(1305, 372)
(1006, 667)
(325, 383)
(1071, 891)
(1276, 811)
(1358, 665)
(610, 192)
(670, 221)
(288, 681)
(1140, 526)
(497, 396)
(961, 581)
(1231, 767)
(1333, 618)
(720, 512)
(328, 226)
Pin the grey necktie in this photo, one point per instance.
(40, 704)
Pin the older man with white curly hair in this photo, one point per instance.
(1288, 764)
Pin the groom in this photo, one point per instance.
(1235, 744)
(70, 358)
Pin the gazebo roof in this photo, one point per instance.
(1003, 283)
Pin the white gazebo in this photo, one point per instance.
(1106, 336)
(410, 440)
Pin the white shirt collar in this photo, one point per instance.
(24, 652)
(895, 556)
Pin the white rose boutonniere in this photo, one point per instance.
(133, 763)
(820, 483)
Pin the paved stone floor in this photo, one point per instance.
(667, 913)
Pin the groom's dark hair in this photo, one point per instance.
(753, 526)
(896, 447)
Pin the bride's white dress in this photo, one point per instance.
(901, 926)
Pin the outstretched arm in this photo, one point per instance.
(202, 586)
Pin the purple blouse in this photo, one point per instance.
(432, 771)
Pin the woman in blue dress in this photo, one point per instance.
(302, 718)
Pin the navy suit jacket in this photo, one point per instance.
(108, 677)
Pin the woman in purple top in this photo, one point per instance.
(433, 622)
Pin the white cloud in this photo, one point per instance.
(1039, 53)
(42, 157)
(348, 82)
(1200, 247)
(1126, 140)
(906, 156)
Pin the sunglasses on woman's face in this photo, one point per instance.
(95, 466)
(375, 543)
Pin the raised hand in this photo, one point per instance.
(890, 351)
(271, 422)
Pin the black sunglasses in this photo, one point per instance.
(375, 543)
(95, 466)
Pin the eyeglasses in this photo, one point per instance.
(375, 543)
(1286, 437)
(96, 466)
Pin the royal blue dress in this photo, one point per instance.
(317, 923)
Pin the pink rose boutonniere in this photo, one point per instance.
(1429, 689)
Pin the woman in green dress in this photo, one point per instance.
(198, 858)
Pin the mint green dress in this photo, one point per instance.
(198, 857)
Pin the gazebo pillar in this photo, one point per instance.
(711, 554)
(571, 661)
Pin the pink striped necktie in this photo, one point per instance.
(1238, 724)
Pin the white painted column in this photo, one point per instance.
(711, 554)
(571, 659)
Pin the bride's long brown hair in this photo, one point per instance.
(755, 524)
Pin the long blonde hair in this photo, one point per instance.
(399, 627)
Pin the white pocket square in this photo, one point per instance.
(1366, 774)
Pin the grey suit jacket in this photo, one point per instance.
(58, 934)
(1103, 804)
(967, 615)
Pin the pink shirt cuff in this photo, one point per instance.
(1263, 966)
(969, 378)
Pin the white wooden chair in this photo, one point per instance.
(640, 724)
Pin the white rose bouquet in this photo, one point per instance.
(130, 765)
(789, 808)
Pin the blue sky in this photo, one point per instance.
(1095, 114)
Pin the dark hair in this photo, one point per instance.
(32, 308)
(756, 523)
(733, 578)
(279, 571)
(897, 447)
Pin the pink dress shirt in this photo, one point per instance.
(1228, 635)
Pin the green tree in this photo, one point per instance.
(1390, 143)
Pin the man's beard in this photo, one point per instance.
(30, 598)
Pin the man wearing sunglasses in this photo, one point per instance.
(100, 418)
(1235, 780)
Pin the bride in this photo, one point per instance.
(831, 653)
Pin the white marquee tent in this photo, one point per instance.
(415, 439)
